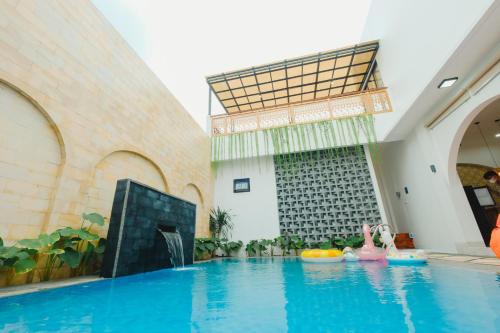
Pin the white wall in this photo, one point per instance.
(421, 43)
(435, 208)
(255, 212)
(475, 152)
(479, 144)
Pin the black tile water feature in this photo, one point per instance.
(135, 244)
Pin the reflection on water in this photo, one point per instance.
(320, 273)
(181, 269)
(268, 295)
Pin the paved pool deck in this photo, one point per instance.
(34, 287)
(491, 264)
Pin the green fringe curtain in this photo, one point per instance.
(296, 139)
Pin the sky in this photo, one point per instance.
(183, 41)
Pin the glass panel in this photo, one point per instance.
(309, 68)
(249, 80)
(362, 57)
(311, 78)
(224, 95)
(241, 100)
(219, 86)
(343, 61)
(235, 83)
(238, 92)
(278, 75)
(264, 77)
(294, 82)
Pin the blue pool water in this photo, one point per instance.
(268, 295)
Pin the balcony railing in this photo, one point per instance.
(373, 101)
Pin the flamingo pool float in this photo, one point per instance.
(369, 251)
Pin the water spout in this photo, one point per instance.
(174, 243)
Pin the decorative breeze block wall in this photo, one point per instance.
(325, 194)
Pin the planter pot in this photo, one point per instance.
(205, 256)
(8, 278)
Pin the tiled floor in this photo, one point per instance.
(465, 259)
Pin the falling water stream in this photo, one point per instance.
(174, 243)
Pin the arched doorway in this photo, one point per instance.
(478, 153)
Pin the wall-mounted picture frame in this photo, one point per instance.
(484, 196)
(241, 185)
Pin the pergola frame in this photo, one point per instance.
(241, 91)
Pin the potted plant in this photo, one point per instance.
(229, 247)
(220, 223)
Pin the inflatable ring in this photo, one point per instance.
(406, 261)
(407, 258)
(317, 255)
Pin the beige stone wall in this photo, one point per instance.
(78, 110)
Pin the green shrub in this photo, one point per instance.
(326, 245)
(355, 241)
(352, 241)
(229, 247)
(204, 248)
(80, 249)
(220, 223)
(15, 260)
(283, 242)
(252, 247)
(296, 244)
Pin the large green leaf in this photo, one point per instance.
(67, 232)
(210, 246)
(64, 242)
(21, 255)
(85, 235)
(71, 257)
(45, 240)
(54, 251)
(94, 218)
(24, 265)
(54, 237)
(30, 243)
(7, 252)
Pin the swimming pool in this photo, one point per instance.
(268, 295)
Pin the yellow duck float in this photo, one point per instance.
(317, 255)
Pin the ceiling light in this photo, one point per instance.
(497, 135)
(448, 82)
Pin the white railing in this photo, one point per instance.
(373, 101)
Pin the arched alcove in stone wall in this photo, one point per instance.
(192, 193)
(31, 156)
(120, 165)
